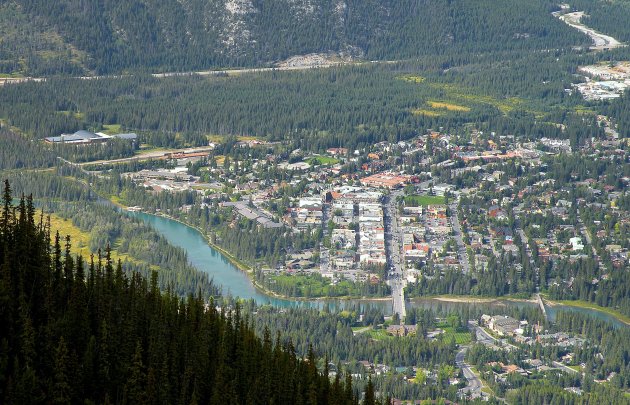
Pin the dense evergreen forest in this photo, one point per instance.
(350, 106)
(71, 37)
(76, 332)
(103, 225)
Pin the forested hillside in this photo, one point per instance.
(66, 36)
(73, 332)
(349, 106)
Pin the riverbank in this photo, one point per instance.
(590, 306)
(242, 266)
(247, 274)
(231, 258)
(249, 271)
(473, 300)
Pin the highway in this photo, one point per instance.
(221, 72)
(600, 41)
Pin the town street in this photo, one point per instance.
(487, 339)
(474, 383)
(395, 271)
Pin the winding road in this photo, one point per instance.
(474, 383)
(601, 41)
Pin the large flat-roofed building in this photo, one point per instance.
(503, 325)
(87, 137)
(386, 180)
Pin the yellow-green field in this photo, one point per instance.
(111, 129)
(428, 113)
(448, 106)
(221, 138)
(117, 200)
(424, 200)
(461, 338)
(77, 115)
(80, 240)
(145, 149)
(412, 78)
(457, 98)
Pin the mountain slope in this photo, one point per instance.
(119, 35)
(73, 333)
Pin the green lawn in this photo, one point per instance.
(312, 285)
(77, 115)
(380, 334)
(424, 200)
(111, 129)
(461, 338)
(323, 161)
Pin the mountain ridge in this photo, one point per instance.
(161, 35)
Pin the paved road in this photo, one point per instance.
(324, 254)
(487, 339)
(587, 235)
(457, 230)
(396, 272)
(231, 72)
(600, 41)
(517, 211)
(525, 241)
(484, 337)
(474, 383)
(564, 368)
(224, 72)
(76, 165)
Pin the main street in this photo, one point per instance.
(395, 270)
(457, 231)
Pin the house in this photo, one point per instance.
(442, 189)
(401, 330)
(576, 243)
(337, 151)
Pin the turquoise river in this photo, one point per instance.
(234, 282)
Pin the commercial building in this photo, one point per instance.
(83, 137)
